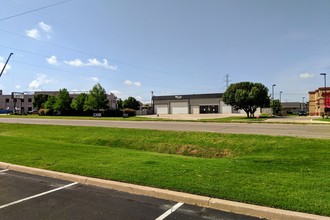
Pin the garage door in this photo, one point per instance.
(179, 108)
(161, 109)
(195, 109)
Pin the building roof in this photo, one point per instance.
(191, 96)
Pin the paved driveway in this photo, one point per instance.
(26, 196)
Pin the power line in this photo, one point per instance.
(37, 9)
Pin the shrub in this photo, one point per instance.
(42, 111)
(129, 111)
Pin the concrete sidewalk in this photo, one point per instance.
(214, 203)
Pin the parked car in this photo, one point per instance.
(302, 113)
(34, 111)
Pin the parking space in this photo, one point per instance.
(26, 196)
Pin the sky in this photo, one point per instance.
(172, 47)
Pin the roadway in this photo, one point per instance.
(296, 130)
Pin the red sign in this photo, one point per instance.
(327, 101)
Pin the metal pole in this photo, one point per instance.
(3, 69)
(281, 96)
(325, 91)
(273, 98)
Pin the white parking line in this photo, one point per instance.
(3, 170)
(170, 211)
(38, 195)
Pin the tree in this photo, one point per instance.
(131, 103)
(39, 100)
(247, 96)
(97, 99)
(79, 102)
(49, 104)
(276, 107)
(120, 104)
(63, 102)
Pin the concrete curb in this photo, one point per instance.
(219, 204)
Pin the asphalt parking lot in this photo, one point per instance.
(26, 196)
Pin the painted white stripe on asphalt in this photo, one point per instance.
(38, 195)
(3, 170)
(170, 211)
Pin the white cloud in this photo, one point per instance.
(33, 33)
(41, 79)
(2, 63)
(52, 60)
(18, 86)
(75, 62)
(131, 83)
(306, 75)
(45, 27)
(42, 30)
(117, 93)
(91, 62)
(95, 79)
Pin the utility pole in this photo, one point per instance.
(151, 103)
(3, 69)
(227, 80)
(325, 93)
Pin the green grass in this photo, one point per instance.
(322, 119)
(282, 172)
(86, 118)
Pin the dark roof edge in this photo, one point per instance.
(189, 96)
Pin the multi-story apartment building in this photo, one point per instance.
(22, 102)
(319, 101)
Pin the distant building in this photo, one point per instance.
(293, 107)
(317, 103)
(211, 103)
(22, 102)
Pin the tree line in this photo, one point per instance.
(96, 100)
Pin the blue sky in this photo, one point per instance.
(170, 47)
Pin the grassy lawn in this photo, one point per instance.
(86, 118)
(282, 172)
(323, 119)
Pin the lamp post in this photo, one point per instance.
(302, 104)
(273, 97)
(281, 96)
(325, 91)
(3, 69)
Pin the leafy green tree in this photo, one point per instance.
(276, 107)
(247, 96)
(120, 103)
(79, 102)
(131, 103)
(63, 102)
(49, 104)
(97, 99)
(39, 100)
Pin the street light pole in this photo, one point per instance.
(325, 91)
(281, 96)
(273, 97)
(3, 69)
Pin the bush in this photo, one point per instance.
(42, 111)
(113, 113)
(129, 111)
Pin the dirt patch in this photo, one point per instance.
(187, 150)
